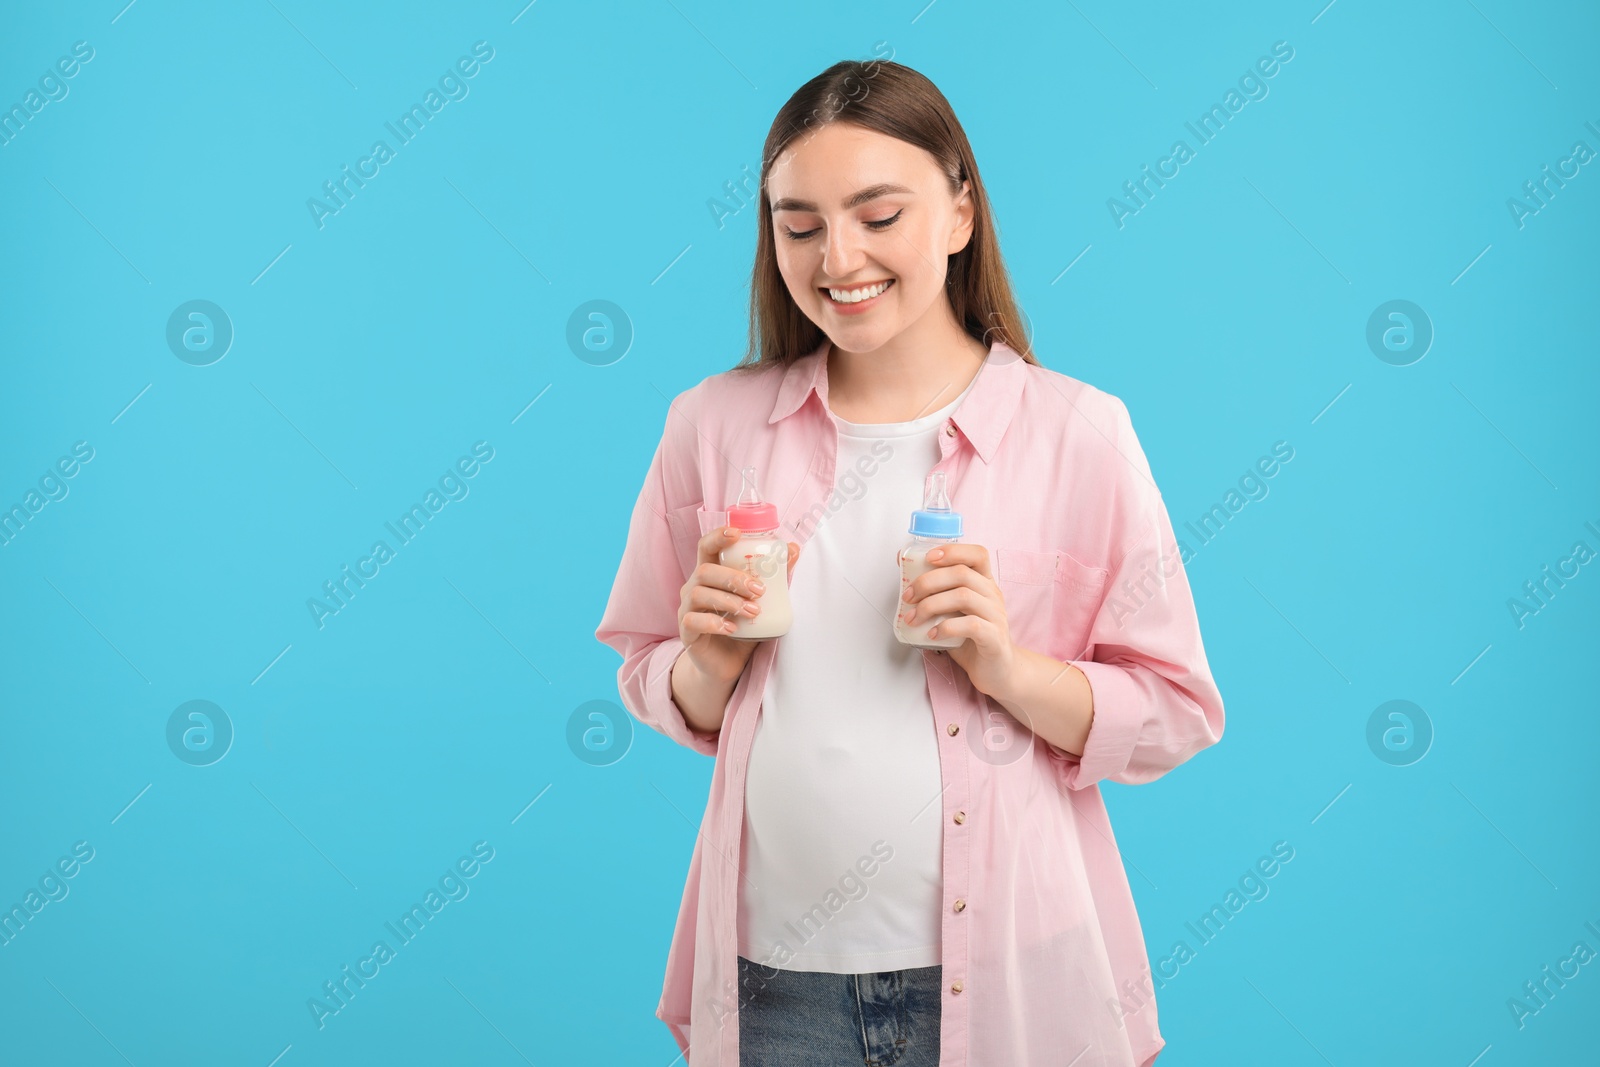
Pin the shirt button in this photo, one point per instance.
(960, 816)
(960, 904)
(955, 987)
(953, 729)
(950, 431)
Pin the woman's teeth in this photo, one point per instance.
(855, 296)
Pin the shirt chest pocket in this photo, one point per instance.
(688, 524)
(1051, 599)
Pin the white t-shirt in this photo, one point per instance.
(844, 767)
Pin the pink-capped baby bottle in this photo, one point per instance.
(759, 551)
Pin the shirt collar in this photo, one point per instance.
(982, 417)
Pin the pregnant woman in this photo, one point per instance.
(905, 858)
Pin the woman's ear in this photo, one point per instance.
(966, 210)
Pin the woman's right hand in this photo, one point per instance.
(712, 599)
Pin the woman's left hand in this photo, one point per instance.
(963, 582)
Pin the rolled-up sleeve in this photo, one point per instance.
(640, 619)
(1155, 702)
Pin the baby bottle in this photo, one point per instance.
(932, 525)
(760, 552)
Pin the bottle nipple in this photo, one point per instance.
(748, 494)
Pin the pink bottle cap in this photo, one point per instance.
(753, 516)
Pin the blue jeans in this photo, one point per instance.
(821, 1019)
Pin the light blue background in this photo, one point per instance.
(427, 315)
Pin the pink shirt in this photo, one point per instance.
(1043, 956)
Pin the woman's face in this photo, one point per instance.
(854, 209)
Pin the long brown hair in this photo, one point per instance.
(895, 100)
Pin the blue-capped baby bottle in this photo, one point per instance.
(932, 525)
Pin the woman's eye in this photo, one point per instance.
(876, 224)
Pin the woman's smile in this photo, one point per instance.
(856, 300)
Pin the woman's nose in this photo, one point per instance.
(842, 255)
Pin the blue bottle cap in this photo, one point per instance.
(935, 523)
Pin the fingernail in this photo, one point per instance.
(758, 587)
(937, 553)
(729, 531)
